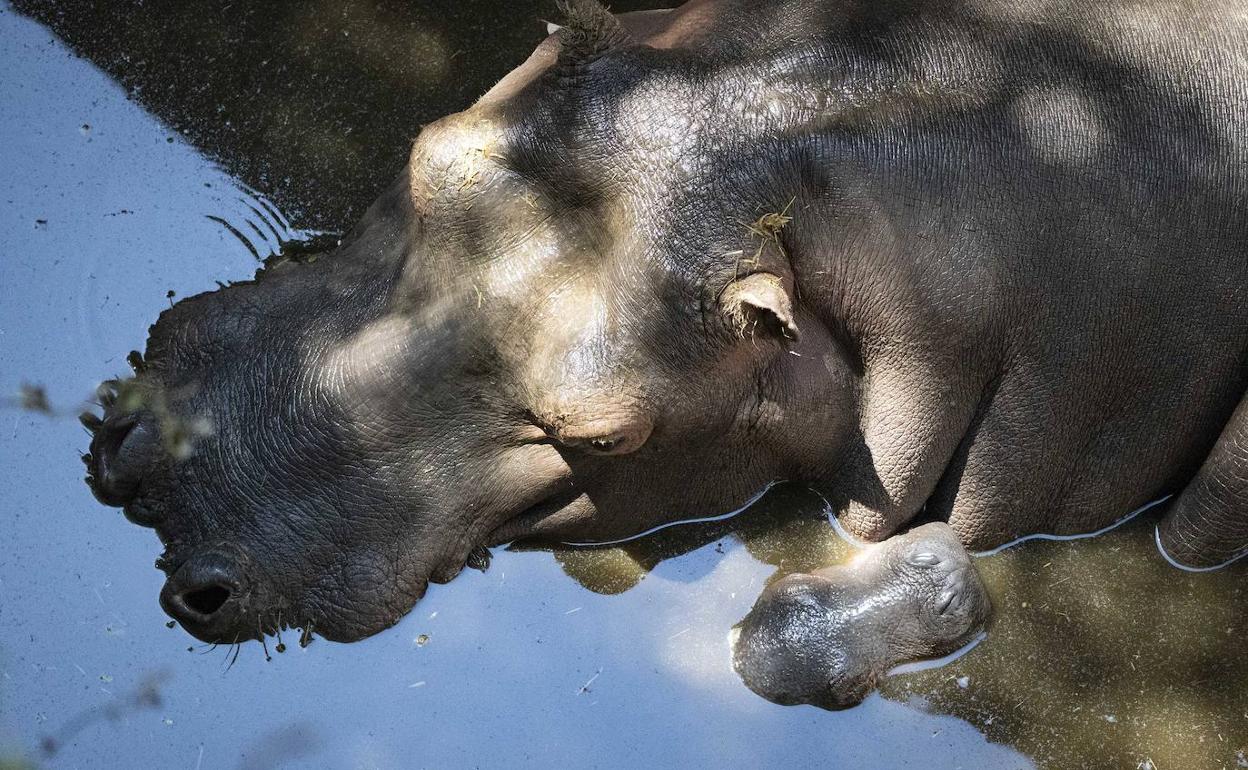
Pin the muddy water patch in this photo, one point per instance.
(1103, 653)
(1100, 653)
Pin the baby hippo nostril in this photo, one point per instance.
(924, 559)
(948, 602)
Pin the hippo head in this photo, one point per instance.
(570, 318)
(828, 637)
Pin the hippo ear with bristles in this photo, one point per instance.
(759, 301)
(588, 30)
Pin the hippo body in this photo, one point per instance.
(984, 261)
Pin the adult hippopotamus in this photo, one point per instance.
(981, 259)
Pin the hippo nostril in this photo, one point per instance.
(208, 595)
(116, 431)
(207, 600)
(122, 451)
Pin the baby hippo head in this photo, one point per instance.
(827, 637)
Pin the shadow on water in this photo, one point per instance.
(315, 103)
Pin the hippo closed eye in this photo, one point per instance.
(827, 637)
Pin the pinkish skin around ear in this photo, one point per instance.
(757, 295)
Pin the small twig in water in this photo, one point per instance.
(585, 687)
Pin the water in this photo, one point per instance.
(593, 657)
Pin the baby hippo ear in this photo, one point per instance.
(759, 300)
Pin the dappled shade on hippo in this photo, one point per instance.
(675, 257)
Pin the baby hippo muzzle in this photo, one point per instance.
(828, 637)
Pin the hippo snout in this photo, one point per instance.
(209, 596)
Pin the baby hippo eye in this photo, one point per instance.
(603, 444)
(924, 559)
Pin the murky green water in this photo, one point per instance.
(1101, 655)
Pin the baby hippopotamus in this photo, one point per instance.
(827, 637)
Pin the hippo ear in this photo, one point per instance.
(759, 300)
(588, 30)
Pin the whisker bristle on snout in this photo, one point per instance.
(106, 393)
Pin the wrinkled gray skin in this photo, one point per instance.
(1012, 291)
(826, 638)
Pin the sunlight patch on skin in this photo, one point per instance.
(1020, 12)
(659, 118)
(570, 348)
(1061, 125)
(1141, 35)
(521, 474)
(1137, 31)
(532, 257)
(367, 360)
(450, 155)
(942, 77)
(866, 551)
(463, 152)
(959, 64)
(582, 319)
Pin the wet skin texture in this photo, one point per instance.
(827, 637)
(1007, 289)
